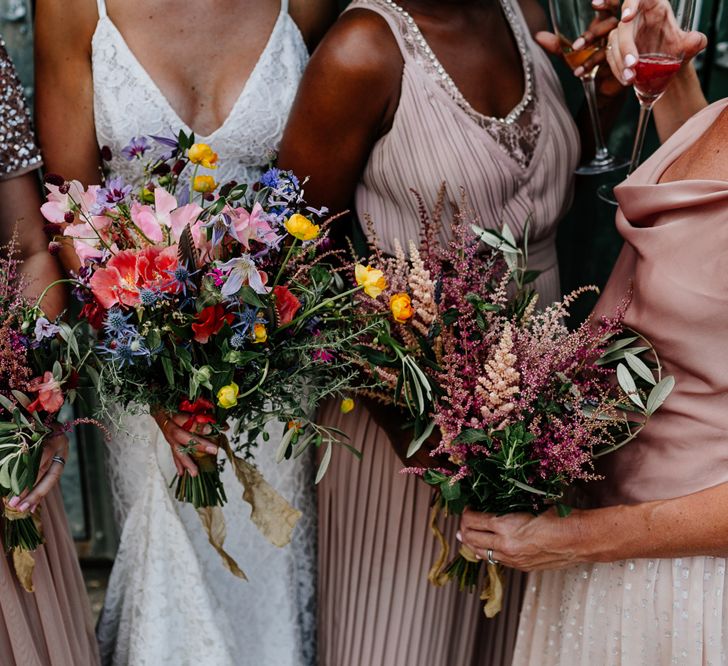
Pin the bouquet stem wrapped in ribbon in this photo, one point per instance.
(523, 404)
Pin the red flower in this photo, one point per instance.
(94, 314)
(50, 396)
(155, 265)
(286, 305)
(210, 321)
(200, 411)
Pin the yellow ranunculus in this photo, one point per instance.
(204, 184)
(401, 307)
(260, 333)
(202, 154)
(227, 396)
(372, 279)
(302, 228)
(347, 405)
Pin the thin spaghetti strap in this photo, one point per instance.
(102, 7)
(284, 6)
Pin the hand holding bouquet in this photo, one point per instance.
(524, 405)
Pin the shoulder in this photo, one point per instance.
(535, 16)
(313, 18)
(361, 43)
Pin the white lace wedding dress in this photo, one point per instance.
(170, 600)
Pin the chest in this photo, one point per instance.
(706, 159)
(177, 46)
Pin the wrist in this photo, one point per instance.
(606, 534)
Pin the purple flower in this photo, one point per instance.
(136, 148)
(45, 329)
(114, 192)
(270, 178)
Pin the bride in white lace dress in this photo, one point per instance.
(137, 67)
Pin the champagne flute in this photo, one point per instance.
(571, 19)
(658, 30)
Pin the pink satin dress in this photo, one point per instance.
(655, 612)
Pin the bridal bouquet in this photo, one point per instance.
(220, 302)
(39, 364)
(523, 404)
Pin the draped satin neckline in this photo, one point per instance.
(151, 83)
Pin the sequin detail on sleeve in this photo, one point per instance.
(18, 151)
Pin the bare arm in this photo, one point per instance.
(64, 97)
(20, 209)
(686, 526)
(682, 100)
(344, 104)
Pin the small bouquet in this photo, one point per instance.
(39, 371)
(220, 302)
(523, 404)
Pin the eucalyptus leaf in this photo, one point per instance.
(626, 381)
(283, 446)
(640, 368)
(659, 394)
(325, 462)
(417, 443)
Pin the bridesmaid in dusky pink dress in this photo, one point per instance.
(639, 577)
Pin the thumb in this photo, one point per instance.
(549, 42)
(695, 42)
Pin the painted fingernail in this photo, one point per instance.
(628, 74)
(13, 502)
(211, 449)
(626, 13)
(24, 506)
(579, 72)
(459, 536)
(630, 60)
(598, 3)
(578, 44)
(477, 557)
(33, 508)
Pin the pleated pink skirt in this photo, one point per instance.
(376, 607)
(53, 625)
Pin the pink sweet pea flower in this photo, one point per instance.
(58, 204)
(251, 226)
(86, 241)
(50, 396)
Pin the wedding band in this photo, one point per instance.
(609, 47)
(489, 557)
(166, 421)
(59, 459)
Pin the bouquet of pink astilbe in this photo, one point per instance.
(222, 301)
(523, 404)
(39, 371)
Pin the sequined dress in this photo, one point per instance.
(656, 612)
(53, 626)
(376, 607)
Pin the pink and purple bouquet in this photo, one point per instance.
(523, 404)
(40, 361)
(220, 301)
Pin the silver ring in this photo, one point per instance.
(609, 47)
(489, 557)
(59, 459)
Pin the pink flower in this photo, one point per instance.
(85, 236)
(50, 396)
(323, 356)
(251, 226)
(118, 282)
(58, 204)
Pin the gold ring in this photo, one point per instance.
(166, 421)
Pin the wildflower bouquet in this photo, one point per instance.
(220, 302)
(523, 404)
(39, 363)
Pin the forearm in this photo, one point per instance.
(682, 100)
(692, 525)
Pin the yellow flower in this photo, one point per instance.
(204, 184)
(347, 405)
(202, 154)
(302, 228)
(260, 333)
(372, 279)
(227, 396)
(401, 307)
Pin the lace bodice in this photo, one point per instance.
(170, 601)
(128, 103)
(519, 131)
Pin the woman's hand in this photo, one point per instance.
(523, 541)
(605, 21)
(49, 473)
(182, 441)
(622, 53)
